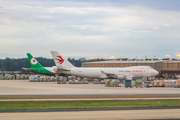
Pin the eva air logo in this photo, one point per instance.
(60, 59)
(33, 61)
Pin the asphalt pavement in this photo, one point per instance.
(85, 114)
(88, 99)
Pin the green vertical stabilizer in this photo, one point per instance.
(33, 62)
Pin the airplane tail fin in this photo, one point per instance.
(33, 62)
(60, 62)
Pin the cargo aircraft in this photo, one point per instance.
(64, 66)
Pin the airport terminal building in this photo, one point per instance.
(166, 68)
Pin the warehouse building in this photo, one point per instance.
(166, 68)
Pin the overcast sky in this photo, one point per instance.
(90, 28)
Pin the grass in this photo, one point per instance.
(7, 105)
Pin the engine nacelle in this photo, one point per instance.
(120, 77)
(55, 68)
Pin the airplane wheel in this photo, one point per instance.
(56, 74)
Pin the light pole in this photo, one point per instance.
(97, 61)
(136, 60)
(120, 60)
(128, 60)
(105, 61)
(154, 60)
(167, 65)
(91, 63)
(145, 59)
(154, 56)
(178, 55)
(167, 60)
(112, 57)
(2, 66)
(113, 60)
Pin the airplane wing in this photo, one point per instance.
(110, 75)
(62, 69)
(24, 68)
(115, 76)
(58, 69)
(30, 69)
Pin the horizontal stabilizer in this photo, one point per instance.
(24, 68)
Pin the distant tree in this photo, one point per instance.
(18, 64)
(76, 63)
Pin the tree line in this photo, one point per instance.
(8, 64)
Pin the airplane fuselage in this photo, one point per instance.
(43, 70)
(137, 71)
(140, 71)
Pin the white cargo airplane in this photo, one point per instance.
(64, 66)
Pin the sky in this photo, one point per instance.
(90, 28)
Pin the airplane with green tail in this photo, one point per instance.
(36, 67)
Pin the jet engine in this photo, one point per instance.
(55, 68)
(120, 77)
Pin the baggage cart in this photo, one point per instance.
(128, 83)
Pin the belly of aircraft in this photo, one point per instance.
(86, 73)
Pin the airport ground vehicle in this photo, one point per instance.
(112, 83)
(148, 84)
(138, 83)
(128, 83)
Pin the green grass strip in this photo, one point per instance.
(7, 105)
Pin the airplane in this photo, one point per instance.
(64, 66)
(36, 67)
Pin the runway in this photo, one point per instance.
(157, 114)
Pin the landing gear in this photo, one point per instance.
(56, 74)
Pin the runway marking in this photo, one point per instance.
(89, 99)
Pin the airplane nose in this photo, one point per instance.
(155, 73)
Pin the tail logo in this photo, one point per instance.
(60, 59)
(33, 61)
